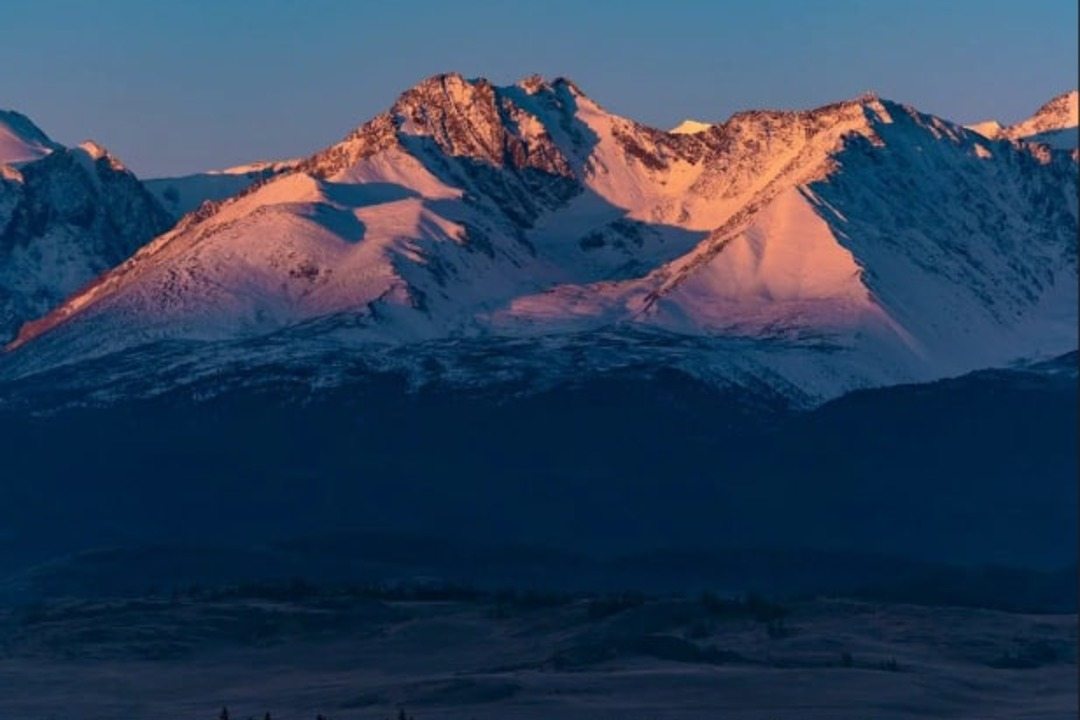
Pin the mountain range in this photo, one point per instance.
(801, 254)
(504, 313)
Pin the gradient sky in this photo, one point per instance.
(181, 86)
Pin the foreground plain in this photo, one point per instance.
(458, 654)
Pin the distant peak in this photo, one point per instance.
(1061, 113)
(21, 140)
(990, 129)
(259, 166)
(1063, 109)
(690, 127)
(1064, 101)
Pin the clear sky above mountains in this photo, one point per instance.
(175, 87)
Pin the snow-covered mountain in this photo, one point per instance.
(858, 244)
(1057, 123)
(66, 216)
(181, 195)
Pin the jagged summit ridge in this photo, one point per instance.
(543, 126)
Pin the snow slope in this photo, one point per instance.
(858, 244)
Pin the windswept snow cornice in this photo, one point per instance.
(21, 140)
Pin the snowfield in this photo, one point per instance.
(589, 659)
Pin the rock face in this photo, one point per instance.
(811, 253)
(66, 216)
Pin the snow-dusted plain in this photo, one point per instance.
(856, 245)
(667, 659)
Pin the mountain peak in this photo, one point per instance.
(990, 129)
(1053, 124)
(690, 127)
(1061, 112)
(21, 140)
(440, 91)
(452, 84)
(1065, 107)
(533, 84)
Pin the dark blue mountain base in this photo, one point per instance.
(974, 471)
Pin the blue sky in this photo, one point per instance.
(175, 87)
